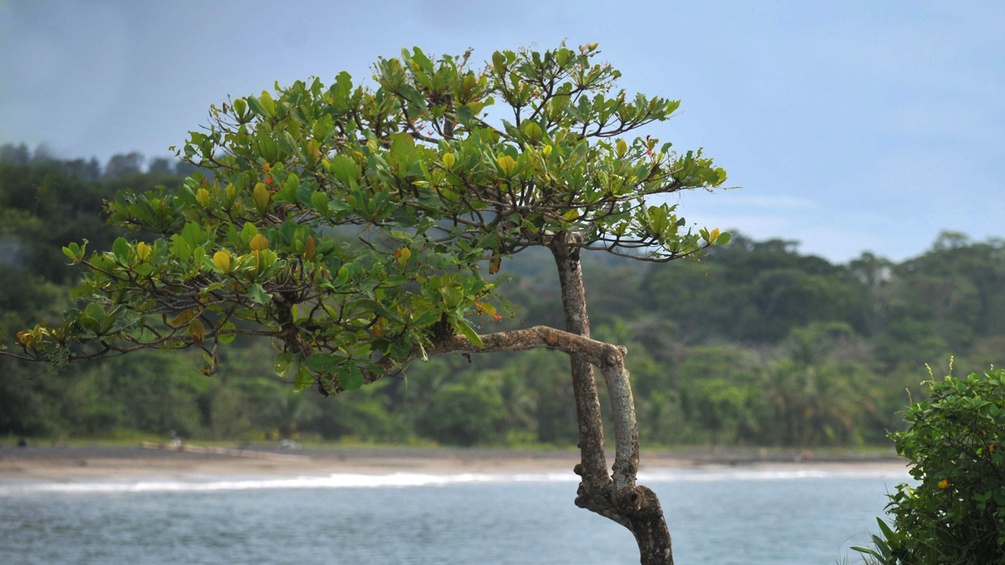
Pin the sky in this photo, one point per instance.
(847, 127)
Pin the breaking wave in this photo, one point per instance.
(206, 483)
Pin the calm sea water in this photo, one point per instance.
(721, 517)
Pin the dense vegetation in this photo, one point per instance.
(756, 344)
(954, 512)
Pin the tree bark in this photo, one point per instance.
(613, 495)
(593, 467)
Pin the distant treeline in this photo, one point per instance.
(756, 344)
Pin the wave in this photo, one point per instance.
(411, 480)
(707, 474)
(339, 480)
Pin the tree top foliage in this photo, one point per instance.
(442, 166)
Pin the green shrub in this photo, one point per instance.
(956, 512)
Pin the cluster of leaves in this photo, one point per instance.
(955, 444)
(430, 182)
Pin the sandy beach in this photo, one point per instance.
(99, 462)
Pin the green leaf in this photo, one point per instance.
(225, 333)
(120, 248)
(256, 106)
(284, 361)
(257, 294)
(344, 168)
(319, 200)
(402, 143)
(72, 251)
(322, 362)
(465, 114)
(469, 332)
(304, 192)
(92, 318)
(426, 318)
(352, 379)
(95, 311)
(302, 380)
(532, 130)
(248, 231)
(267, 103)
(240, 107)
(199, 255)
(499, 63)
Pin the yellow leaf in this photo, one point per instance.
(143, 250)
(261, 197)
(182, 318)
(314, 150)
(202, 197)
(507, 164)
(25, 338)
(259, 242)
(222, 260)
(448, 161)
(309, 248)
(197, 330)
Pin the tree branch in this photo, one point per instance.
(610, 359)
(598, 353)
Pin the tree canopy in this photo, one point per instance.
(441, 169)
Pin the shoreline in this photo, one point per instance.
(35, 464)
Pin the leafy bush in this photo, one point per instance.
(956, 512)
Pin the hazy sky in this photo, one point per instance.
(849, 126)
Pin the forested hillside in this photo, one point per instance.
(756, 344)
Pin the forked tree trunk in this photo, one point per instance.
(612, 494)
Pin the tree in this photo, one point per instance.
(123, 165)
(437, 183)
(718, 390)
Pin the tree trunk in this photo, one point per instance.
(611, 494)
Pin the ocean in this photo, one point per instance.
(720, 516)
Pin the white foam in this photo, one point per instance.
(411, 480)
(713, 474)
(340, 480)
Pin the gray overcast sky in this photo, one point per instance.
(850, 126)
